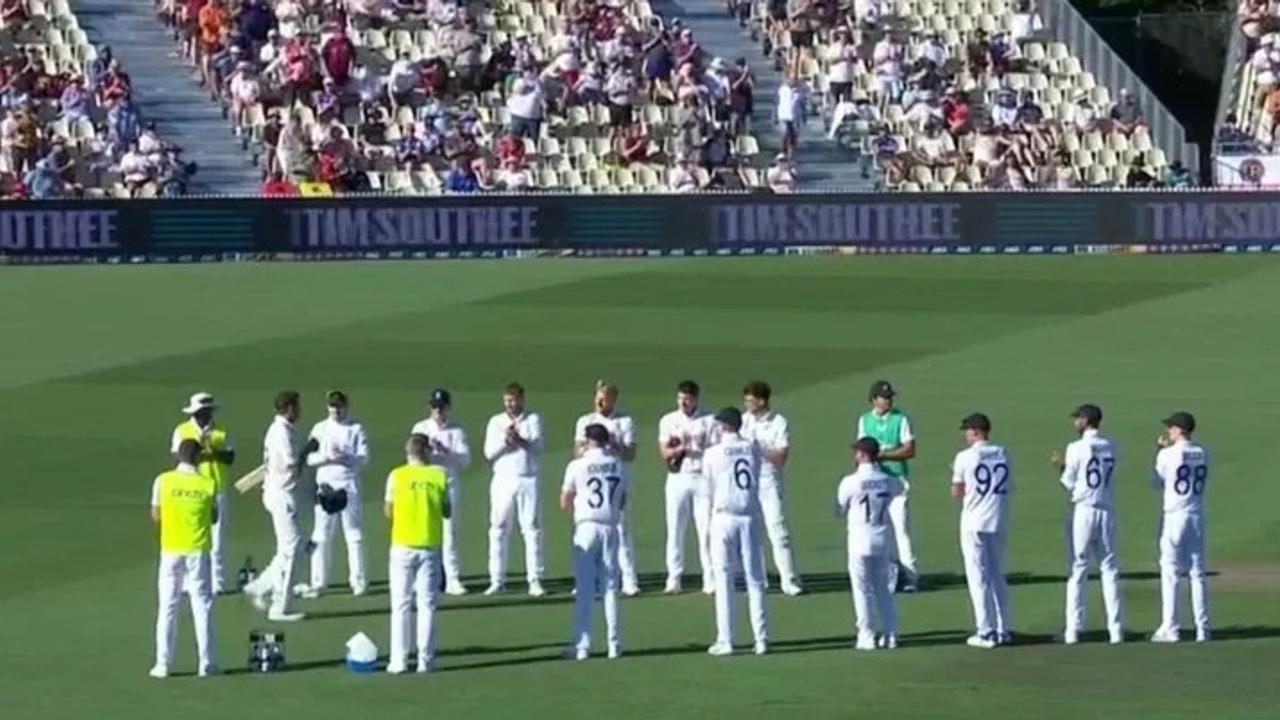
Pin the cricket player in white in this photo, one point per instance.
(449, 449)
(513, 444)
(1087, 468)
(683, 435)
(281, 457)
(595, 489)
(890, 427)
(339, 461)
(863, 498)
(769, 430)
(1181, 472)
(622, 441)
(733, 469)
(982, 481)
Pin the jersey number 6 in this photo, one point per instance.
(742, 474)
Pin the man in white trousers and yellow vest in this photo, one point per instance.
(340, 457)
(450, 450)
(183, 504)
(216, 457)
(417, 503)
(283, 463)
(513, 445)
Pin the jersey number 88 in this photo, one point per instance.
(1189, 479)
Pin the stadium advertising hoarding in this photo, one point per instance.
(525, 225)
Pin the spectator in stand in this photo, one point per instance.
(686, 50)
(486, 180)
(12, 187)
(524, 106)
(271, 49)
(14, 16)
(620, 91)
(741, 98)
(886, 151)
(1086, 116)
(936, 149)
(934, 51)
(1029, 112)
(887, 58)
(803, 21)
(365, 14)
(925, 111)
(510, 147)
(301, 74)
(658, 64)
(255, 21)
(327, 102)
(136, 169)
(338, 55)
(461, 179)
(1004, 110)
(781, 178)
(717, 151)
(149, 143)
(791, 111)
(841, 56)
(278, 186)
(123, 125)
(213, 29)
(1231, 135)
(956, 111)
(114, 85)
(467, 48)
(1178, 176)
(411, 151)
(289, 18)
(245, 89)
(728, 179)
(76, 102)
(513, 177)
(863, 114)
(1006, 57)
(1254, 20)
(292, 149)
(173, 174)
(1127, 114)
(1024, 23)
(43, 182)
(681, 178)
(589, 90)
(978, 53)
(1138, 177)
(1064, 175)
(19, 134)
(632, 146)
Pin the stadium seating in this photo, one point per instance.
(1255, 104)
(70, 128)
(413, 119)
(989, 50)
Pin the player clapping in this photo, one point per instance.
(982, 481)
(339, 459)
(683, 435)
(622, 440)
(863, 498)
(769, 429)
(449, 449)
(513, 444)
(1087, 468)
(1181, 472)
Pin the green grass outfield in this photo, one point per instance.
(96, 362)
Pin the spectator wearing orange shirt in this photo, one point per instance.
(213, 27)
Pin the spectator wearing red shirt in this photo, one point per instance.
(114, 85)
(338, 54)
(300, 72)
(955, 111)
(277, 186)
(633, 144)
(510, 147)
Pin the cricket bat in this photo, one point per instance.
(251, 479)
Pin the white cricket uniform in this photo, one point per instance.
(280, 456)
(622, 433)
(863, 498)
(733, 471)
(770, 431)
(687, 492)
(903, 550)
(455, 458)
(1182, 471)
(217, 556)
(179, 573)
(983, 470)
(599, 481)
(513, 491)
(339, 462)
(1089, 466)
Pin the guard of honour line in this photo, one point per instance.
(724, 477)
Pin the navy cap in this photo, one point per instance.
(976, 421)
(1181, 419)
(881, 388)
(730, 416)
(336, 398)
(440, 398)
(1090, 412)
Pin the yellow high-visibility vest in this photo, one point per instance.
(417, 506)
(214, 440)
(186, 511)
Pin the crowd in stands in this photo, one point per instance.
(957, 94)
(417, 96)
(69, 127)
(1250, 126)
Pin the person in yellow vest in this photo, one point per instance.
(417, 503)
(216, 457)
(183, 505)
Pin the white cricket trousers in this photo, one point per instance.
(903, 550)
(324, 530)
(414, 578)
(1093, 535)
(627, 551)
(189, 572)
(514, 499)
(988, 589)
(218, 556)
(688, 495)
(775, 525)
(1182, 550)
(452, 562)
(869, 581)
(277, 576)
(595, 558)
(735, 541)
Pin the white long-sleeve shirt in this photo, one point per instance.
(622, 429)
(770, 431)
(599, 483)
(456, 453)
(342, 455)
(1181, 471)
(982, 469)
(733, 469)
(514, 460)
(695, 433)
(280, 456)
(1088, 466)
(863, 500)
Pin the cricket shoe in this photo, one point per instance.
(306, 591)
(396, 669)
(982, 642)
(536, 589)
(209, 671)
(631, 590)
(426, 665)
(887, 642)
(1069, 638)
(494, 589)
(865, 642)
(1165, 635)
(762, 647)
(615, 651)
(673, 586)
(1116, 637)
(1203, 636)
(282, 616)
(455, 588)
(359, 590)
(791, 589)
(720, 650)
(159, 672)
(573, 652)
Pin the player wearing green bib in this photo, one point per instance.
(890, 427)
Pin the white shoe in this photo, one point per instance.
(305, 591)
(209, 671)
(615, 652)
(454, 587)
(708, 588)
(493, 589)
(631, 590)
(1069, 638)
(720, 650)
(1005, 638)
(578, 653)
(159, 672)
(865, 642)
(426, 665)
(258, 597)
(1164, 635)
(536, 589)
(889, 642)
(983, 642)
(1117, 637)
(359, 590)
(396, 669)
(762, 647)
(791, 589)
(1203, 636)
(285, 617)
(673, 586)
